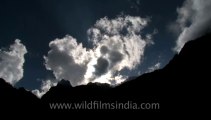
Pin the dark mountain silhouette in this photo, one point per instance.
(14, 100)
(181, 86)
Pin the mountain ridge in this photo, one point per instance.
(177, 87)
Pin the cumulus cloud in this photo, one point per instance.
(45, 87)
(117, 44)
(193, 21)
(11, 62)
(67, 59)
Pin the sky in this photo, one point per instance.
(82, 41)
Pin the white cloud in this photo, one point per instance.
(154, 67)
(117, 44)
(11, 62)
(193, 21)
(67, 59)
(45, 87)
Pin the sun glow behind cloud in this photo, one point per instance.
(117, 44)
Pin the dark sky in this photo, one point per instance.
(38, 22)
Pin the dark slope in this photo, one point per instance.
(16, 100)
(181, 86)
